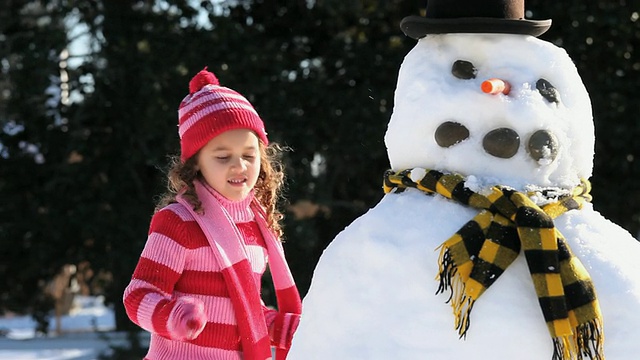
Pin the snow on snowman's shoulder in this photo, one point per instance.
(410, 211)
(604, 246)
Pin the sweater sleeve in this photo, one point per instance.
(148, 297)
(269, 315)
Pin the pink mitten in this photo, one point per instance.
(283, 328)
(187, 319)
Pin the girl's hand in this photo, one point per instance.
(187, 319)
(283, 328)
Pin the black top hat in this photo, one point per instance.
(473, 16)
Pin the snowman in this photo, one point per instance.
(486, 245)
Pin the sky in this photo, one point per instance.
(373, 292)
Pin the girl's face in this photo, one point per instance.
(230, 163)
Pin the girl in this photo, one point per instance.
(196, 287)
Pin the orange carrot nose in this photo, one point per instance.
(495, 86)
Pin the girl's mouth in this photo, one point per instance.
(237, 181)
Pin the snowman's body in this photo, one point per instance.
(373, 294)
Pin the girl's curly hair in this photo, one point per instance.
(267, 190)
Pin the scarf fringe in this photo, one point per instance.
(586, 343)
(590, 340)
(447, 270)
(563, 349)
(450, 279)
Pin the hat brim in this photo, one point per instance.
(418, 27)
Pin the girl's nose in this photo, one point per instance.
(238, 163)
(495, 86)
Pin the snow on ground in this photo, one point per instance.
(88, 331)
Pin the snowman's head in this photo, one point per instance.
(447, 115)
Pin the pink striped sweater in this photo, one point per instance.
(177, 261)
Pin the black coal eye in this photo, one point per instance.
(464, 70)
(548, 91)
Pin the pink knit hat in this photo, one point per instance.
(211, 109)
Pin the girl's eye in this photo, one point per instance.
(249, 157)
(222, 158)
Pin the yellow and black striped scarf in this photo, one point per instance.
(477, 254)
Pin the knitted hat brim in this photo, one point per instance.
(418, 27)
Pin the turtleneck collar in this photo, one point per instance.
(240, 211)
